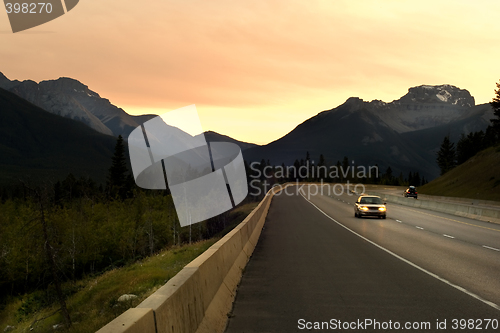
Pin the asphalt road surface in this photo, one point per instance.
(318, 268)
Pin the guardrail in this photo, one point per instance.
(199, 298)
(470, 211)
(463, 201)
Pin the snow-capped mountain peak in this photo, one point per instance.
(439, 94)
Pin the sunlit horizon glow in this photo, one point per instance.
(255, 70)
(185, 118)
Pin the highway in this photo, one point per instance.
(316, 264)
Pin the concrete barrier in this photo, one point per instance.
(199, 298)
(133, 320)
(462, 201)
(454, 208)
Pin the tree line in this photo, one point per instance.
(265, 174)
(52, 233)
(450, 155)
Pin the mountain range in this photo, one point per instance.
(53, 128)
(404, 134)
(71, 99)
(37, 146)
(212, 136)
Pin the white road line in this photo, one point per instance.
(419, 227)
(445, 235)
(399, 221)
(491, 248)
(479, 298)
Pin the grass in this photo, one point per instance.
(93, 301)
(477, 178)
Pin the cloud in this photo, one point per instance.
(293, 57)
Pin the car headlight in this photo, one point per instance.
(382, 209)
(364, 208)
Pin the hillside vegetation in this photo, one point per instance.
(477, 178)
(93, 301)
(92, 298)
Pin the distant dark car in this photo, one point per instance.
(370, 205)
(411, 192)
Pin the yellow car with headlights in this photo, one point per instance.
(370, 205)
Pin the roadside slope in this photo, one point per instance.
(477, 178)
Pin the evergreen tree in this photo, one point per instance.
(401, 179)
(495, 104)
(416, 179)
(117, 174)
(284, 178)
(296, 166)
(376, 179)
(344, 169)
(388, 178)
(388, 173)
(309, 166)
(463, 149)
(248, 171)
(322, 173)
(490, 137)
(321, 160)
(470, 145)
(446, 156)
(337, 177)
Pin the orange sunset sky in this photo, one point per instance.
(256, 69)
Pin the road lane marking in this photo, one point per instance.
(465, 291)
(399, 221)
(445, 235)
(446, 218)
(419, 227)
(491, 248)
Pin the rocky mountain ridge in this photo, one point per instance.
(422, 107)
(404, 134)
(72, 99)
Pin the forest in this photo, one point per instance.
(55, 233)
